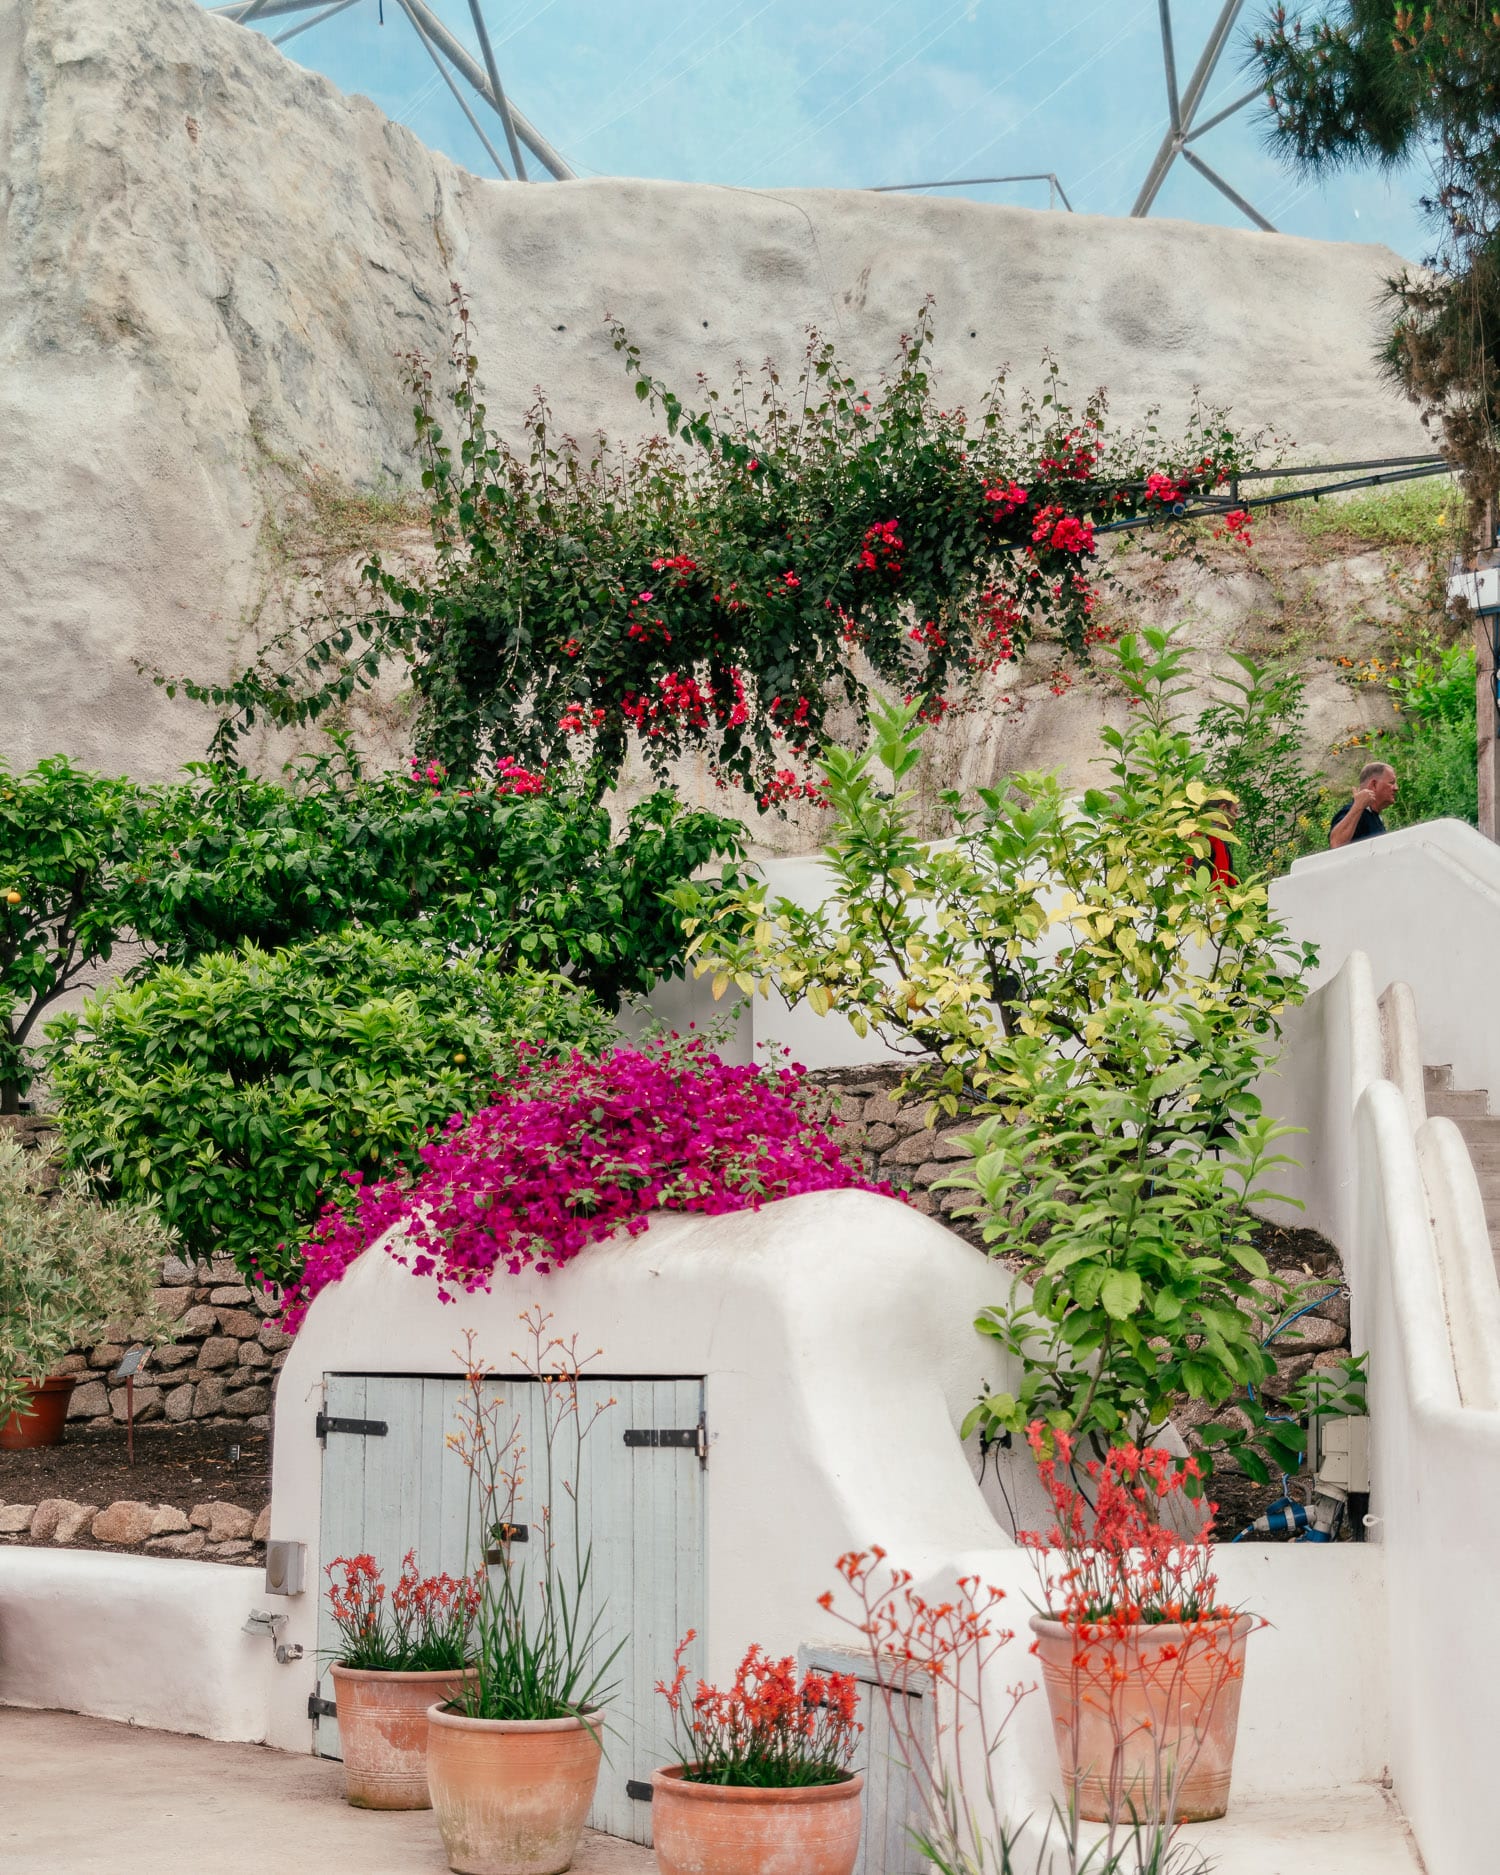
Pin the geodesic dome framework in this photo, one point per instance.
(472, 81)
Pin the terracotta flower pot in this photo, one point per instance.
(383, 1732)
(43, 1421)
(1145, 1714)
(726, 1829)
(510, 1795)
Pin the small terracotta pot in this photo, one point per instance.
(511, 1795)
(383, 1733)
(1146, 1716)
(41, 1422)
(726, 1829)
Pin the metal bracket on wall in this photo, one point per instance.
(321, 1708)
(502, 1534)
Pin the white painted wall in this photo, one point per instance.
(152, 1640)
(1423, 905)
(1397, 1193)
(767, 1028)
(835, 1335)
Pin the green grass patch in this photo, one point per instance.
(1428, 513)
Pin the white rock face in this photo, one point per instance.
(207, 253)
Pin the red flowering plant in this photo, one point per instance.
(1141, 1660)
(930, 1655)
(769, 1730)
(424, 1624)
(938, 1674)
(544, 1636)
(574, 1149)
(707, 592)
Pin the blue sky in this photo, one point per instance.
(825, 93)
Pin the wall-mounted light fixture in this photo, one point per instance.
(286, 1567)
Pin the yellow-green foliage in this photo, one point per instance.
(1408, 514)
(1081, 983)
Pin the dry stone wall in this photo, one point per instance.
(213, 1531)
(220, 1364)
(218, 1361)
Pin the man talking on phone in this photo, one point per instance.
(1360, 820)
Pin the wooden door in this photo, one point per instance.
(890, 1803)
(641, 1498)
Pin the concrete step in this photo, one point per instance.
(1350, 1830)
(1456, 1102)
(1440, 1076)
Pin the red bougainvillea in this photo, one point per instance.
(675, 597)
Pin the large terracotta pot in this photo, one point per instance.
(726, 1829)
(42, 1422)
(1145, 1716)
(383, 1733)
(511, 1795)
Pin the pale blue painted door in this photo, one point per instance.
(891, 1805)
(642, 1497)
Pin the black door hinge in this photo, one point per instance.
(503, 1533)
(637, 1791)
(321, 1708)
(683, 1438)
(361, 1428)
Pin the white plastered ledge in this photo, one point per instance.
(152, 1640)
(835, 1336)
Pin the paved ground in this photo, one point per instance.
(81, 1796)
(1353, 1830)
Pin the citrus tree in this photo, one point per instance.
(1068, 975)
(71, 876)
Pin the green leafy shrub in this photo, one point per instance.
(1102, 1007)
(524, 870)
(1253, 745)
(236, 1090)
(70, 876)
(68, 1265)
(1434, 749)
(1438, 767)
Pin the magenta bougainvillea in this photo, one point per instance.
(574, 1150)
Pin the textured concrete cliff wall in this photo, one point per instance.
(209, 259)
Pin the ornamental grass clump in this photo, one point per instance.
(542, 1635)
(425, 1623)
(574, 1150)
(768, 1732)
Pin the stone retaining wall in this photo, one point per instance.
(220, 1364)
(893, 1139)
(221, 1361)
(215, 1531)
